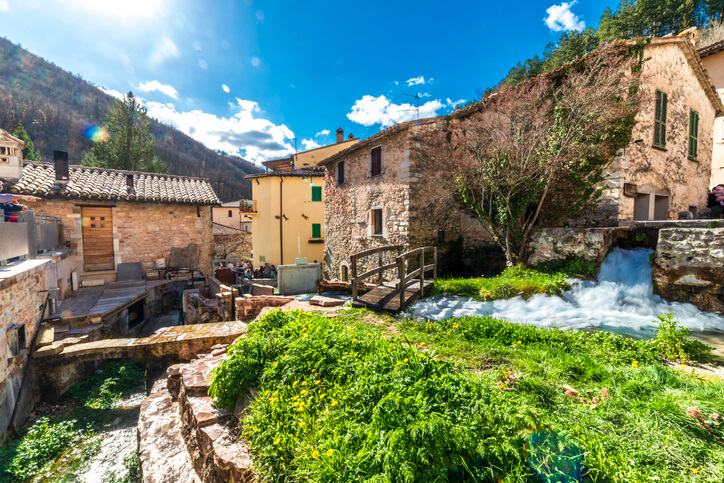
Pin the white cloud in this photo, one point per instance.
(155, 85)
(372, 110)
(253, 138)
(112, 92)
(418, 80)
(310, 144)
(164, 50)
(323, 132)
(561, 18)
(4, 6)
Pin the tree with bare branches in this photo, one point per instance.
(535, 152)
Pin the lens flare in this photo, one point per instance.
(197, 46)
(203, 64)
(255, 61)
(97, 134)
(225, 88)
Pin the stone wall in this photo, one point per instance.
(20, 300)
(141, 231)
(558, 244)
(689, 267)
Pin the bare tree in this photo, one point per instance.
(534, 152)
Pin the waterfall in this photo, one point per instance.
(622, 300)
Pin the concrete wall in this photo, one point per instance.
(689, 267)
(714, 65)
(299, 211)
(666, 172)
(141, 231)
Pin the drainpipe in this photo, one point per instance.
(281, 219)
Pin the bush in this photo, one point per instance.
(671, 342)
(714, 224)
(110, 382)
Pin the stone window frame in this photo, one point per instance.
(693, 146)
(373, 172)
(371, 226)
(661, 103)
(15, 337)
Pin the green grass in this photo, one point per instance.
(519, 280)
(470, 399)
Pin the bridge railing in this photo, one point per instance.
(380, 251)
(404, 277)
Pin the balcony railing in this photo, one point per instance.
(248, 207)
(29, 236)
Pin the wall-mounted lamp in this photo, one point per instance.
(257, 181)
(305, 216)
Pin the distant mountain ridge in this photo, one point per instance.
(56, 106)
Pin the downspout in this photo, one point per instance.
(281, 219)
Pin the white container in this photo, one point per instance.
(160, 262)
(300, 261)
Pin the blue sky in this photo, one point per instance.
(250, 76)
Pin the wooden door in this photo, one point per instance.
(97, 238)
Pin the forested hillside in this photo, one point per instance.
(631, 19)
(56, 106)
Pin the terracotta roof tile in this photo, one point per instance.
(110, 184)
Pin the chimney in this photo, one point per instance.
(340, 134)
(350, 137)
(129, 183)
(60, 161)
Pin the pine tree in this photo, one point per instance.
(29, 153)
(130, 145)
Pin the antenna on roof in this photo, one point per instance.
(417, 105)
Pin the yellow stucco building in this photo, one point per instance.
(288, 206)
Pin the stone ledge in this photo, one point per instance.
(18, 271)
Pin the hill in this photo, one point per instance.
(56, 106)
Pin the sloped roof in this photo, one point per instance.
(5, 134)
(110, 185)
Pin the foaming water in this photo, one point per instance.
(622, 301)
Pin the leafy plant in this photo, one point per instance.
(44, 440)
(714, 224)
(107, 385)
(672, 343)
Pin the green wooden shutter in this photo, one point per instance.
(693, 134)
(664, 107)
(316, 193)
(660, 119)
(316, 230)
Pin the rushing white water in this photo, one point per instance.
(622, 301)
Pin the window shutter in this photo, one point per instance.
(657, 120)
(693, 134)
(316, 193)
(664, 105)
(340, 172)
(376, 165)
(316, 230)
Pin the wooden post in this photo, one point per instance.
(422, 272)
(379, 264)
(434, 261)
(401, 274)
(354, 279)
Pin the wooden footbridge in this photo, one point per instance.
(393, 296)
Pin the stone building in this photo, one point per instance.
(112, 216)
(370, 187)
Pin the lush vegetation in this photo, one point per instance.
(91, 409)
(55, 106)
(339, 400)
(548, 279)
(631, 19)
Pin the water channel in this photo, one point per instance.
(622, 300)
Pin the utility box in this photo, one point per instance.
(298, 279)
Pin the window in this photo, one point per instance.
(229, 213)
(693, 133)
(316, 230)
(377, 221)
(340, 172)
(376, 161)
(660, 119)
(316, 193)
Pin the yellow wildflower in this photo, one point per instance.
(635, 364)
(315, 454)
(304, 391)
(405, 359)
(316, 383)
(272, 399)
(313, 371)
(354, 340)
(304, 383)
(330, 452)
(294, 384)
(334, 402)
(275, 365)
(422, 343)
(694, 470)
(455, 326)
(302, 424)
(322, 396)
(276, 441)
(300, 408)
